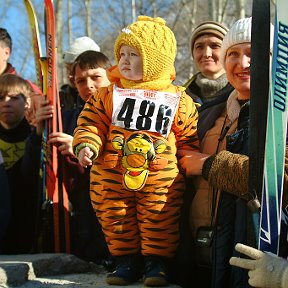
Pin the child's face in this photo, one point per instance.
(87, 82)
(12, 109)
(130, 63)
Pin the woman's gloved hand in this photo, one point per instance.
(265, 269)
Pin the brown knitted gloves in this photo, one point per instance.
(228, 172)
(235, 167)
(265, 270)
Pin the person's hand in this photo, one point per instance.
(30, 113)
(191, 162)
(84, 156)
(265, 270)
(44, 112)
(63, 142)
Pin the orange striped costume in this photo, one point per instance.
(142, 220)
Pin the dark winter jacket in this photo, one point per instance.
(69, 98)
(234, 219)
(208, 111)
(5, 210)
(88, 240)
(20, 148)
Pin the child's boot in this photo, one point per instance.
(128, 270)
(155, 271)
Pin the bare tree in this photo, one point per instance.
(103, 20)
(133, 10)
(59, 35)
(87, 4)
(69, 16)
(240, 9)
(211, 9)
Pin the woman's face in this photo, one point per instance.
(206, 54)
(237, 66)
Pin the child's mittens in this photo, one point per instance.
(265, 270)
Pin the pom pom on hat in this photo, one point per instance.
(79, 45)
(208, 27)
(155, 42)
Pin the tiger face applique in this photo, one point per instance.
(138, 152)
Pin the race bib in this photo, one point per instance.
(144, 109)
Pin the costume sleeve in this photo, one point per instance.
(185, 124)
(93, 122)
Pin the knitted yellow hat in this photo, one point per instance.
(155, 42)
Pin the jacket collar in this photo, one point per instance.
(233, 106)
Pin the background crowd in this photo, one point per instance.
(179, 223)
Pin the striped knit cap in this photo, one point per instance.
(208, 27)
(155, 42)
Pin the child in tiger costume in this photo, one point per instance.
(130, 133)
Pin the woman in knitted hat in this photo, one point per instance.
(130, 133)
(226, 170)
(210, 88)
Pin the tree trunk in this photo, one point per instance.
(59, 43)
(70, 31)
(133, 10)
(87, 4)
(240, 9)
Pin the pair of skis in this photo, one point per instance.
(53, 190)
(269, 113)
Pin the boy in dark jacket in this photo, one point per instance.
(88, 74)
(20, 149)
(7, 68)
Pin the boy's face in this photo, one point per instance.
(12, 109)
(130, 63)
(87, 82)
(4, 56)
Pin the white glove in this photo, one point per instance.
(266, 270)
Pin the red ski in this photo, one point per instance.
(56, 191)
(55, 198)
